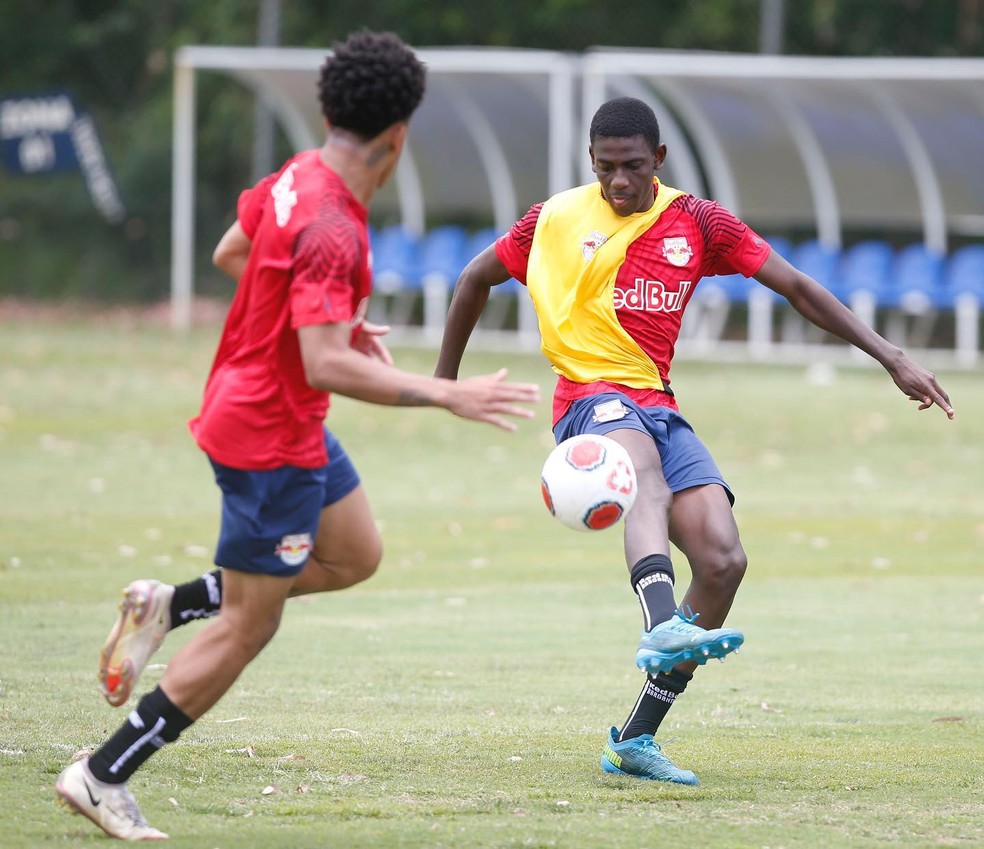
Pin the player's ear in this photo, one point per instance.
(659, 157)
(398, 135)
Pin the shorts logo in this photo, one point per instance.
(609, 411)
(294, 549)
(591, 243)
(676, 251)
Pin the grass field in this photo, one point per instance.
(461, 698)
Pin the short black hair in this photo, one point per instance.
(370, 81)
(622, 118)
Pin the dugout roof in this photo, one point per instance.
(821, 145)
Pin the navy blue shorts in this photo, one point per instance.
(686, 461)
(270, 517)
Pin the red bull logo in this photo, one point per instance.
(676, 251)
(591, 243)
(294, 548)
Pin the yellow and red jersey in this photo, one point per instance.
(610, 290)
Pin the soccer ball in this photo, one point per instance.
(588, 482)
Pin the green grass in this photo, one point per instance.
(462, 696)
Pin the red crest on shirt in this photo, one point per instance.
(591, 243)
(677, 251)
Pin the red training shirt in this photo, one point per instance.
(308, 264)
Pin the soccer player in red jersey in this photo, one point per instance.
(610, 268)
(295, 518)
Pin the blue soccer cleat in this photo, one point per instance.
(642, 757)
(678, 640)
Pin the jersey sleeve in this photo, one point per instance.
(327, 263)
(513, 249)
(249, 209)
(730, 245)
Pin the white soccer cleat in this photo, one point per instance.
(145, 619)
(110, 806)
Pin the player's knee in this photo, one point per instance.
(366, 565)
(732, 566)
(723, 571)
(264, 632)
(352, 567)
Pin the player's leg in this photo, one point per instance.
(684, 461)
(347, 546)
(675, 459)
(647, 550)
(703, 527)
(196, 678)
(269, 520)
(633, 751)
(347, 549)
(202, 671)
(150, 609)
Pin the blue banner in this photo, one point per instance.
(46, 133)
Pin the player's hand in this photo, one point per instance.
(920, 385)
(368, 341)
(489, 398)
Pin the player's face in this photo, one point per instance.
(625, 168)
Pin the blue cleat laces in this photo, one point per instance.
(678, 640)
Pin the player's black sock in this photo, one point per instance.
(155, 721)
(652, 581)
(197, 599)
(656, 698)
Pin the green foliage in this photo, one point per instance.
(460, 698)
(115, 56)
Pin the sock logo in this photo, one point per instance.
(654, 691)
(212, 588)
(654, 578)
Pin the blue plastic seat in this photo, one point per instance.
(817, 260)
(477, 243)
(964, 287)
(442, 255)
(865, 269)
(781, 245)
(480, 240)
(395, 260)
(964, 273)
(443, 252)
(916, 283)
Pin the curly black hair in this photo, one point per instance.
(370, 81)
(622, 118)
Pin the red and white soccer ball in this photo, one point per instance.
(588, 482)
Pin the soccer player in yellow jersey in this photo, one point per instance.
(611, 267)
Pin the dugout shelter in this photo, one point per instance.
(820, 154)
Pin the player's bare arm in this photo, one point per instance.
(819, 306)
(232, 251)
(470, 296)
(332, 365)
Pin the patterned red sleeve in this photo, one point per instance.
(730, 245)
(249, 210)
(326, 266)
(513, 249)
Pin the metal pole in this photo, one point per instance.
(268, 35)
(183, 197)
(771, 26)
